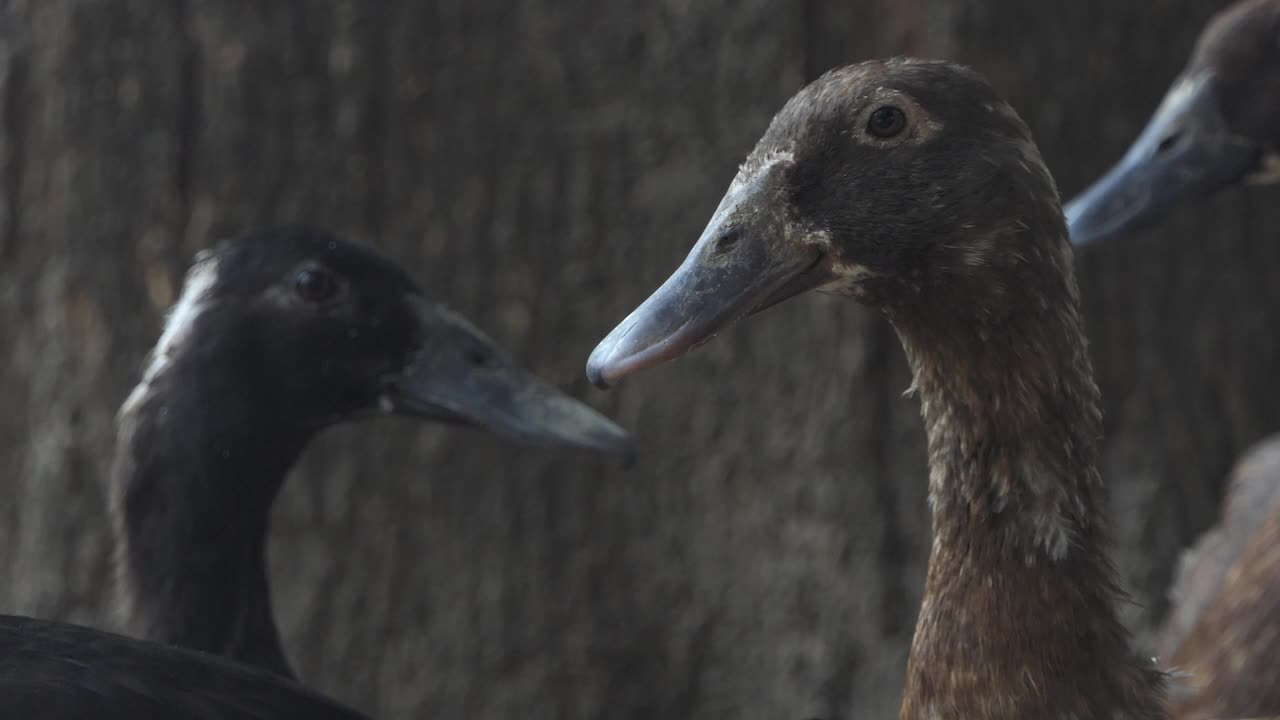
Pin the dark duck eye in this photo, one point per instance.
(315, 285)
(886, 121)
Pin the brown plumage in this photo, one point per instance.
(912, 187)
(1223, 631)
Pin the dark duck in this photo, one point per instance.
(912, 187)
(1218, 126)
(277, 335)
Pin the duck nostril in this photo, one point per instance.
(477, 358)
(1168, 142)
(725, 242)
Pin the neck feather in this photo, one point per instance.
(192, 490)
(1019, 616)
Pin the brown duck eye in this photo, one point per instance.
(315, 285)
(886, 121)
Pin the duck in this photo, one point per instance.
(912, 187)
(1218, 126)
(279, 334)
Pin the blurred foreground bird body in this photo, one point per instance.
(58, 671)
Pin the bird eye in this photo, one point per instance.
(886, 121)
(315, 285)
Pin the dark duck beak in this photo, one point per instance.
(1216, 127)
(459, 375)
(744, 262)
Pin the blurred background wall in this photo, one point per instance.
(542, 165)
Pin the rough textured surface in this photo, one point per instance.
(543, 166)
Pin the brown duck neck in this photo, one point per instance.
(1019, 615)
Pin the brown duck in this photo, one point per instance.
(912, 187)
(1218, 127)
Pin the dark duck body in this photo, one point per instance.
(912, 187)
(277, 335)
(57, 671)
(1218, 126)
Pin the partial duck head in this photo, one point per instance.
(1218, 125)
(309, 330)
(906, 184)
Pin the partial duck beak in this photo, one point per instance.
(1186, 151)
(460, 375)
(748, 258)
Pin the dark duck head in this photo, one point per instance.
(277, 335)
(1219, 125)
(912, 187)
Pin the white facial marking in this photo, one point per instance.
(199, 283)
(847, 274)
(1182, 91)
(195, 294)
(753, 169)
(847, 277)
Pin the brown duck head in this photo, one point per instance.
(905, 184)
(913, 188)
(1218, 125)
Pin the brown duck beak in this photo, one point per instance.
(748, 258)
